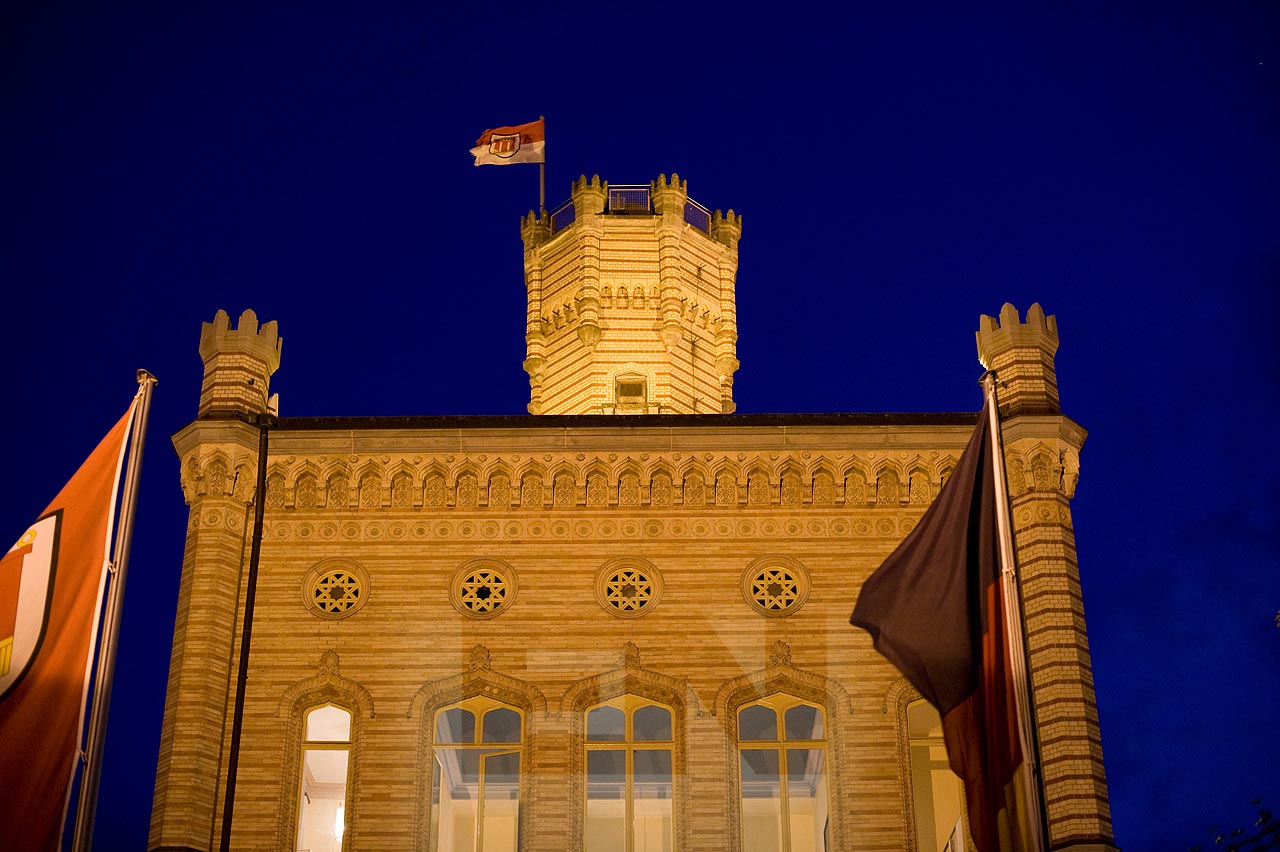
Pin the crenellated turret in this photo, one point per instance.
(644, 277)
(1021, 355)
(238, 363)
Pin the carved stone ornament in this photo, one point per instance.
(779, 654)
(433, 492)
(480, 659)
(304, 496)
(531, 491)
(660, 492)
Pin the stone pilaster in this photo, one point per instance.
(534, 232)
(668, 202)
(727, 229)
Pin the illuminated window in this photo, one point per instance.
(936, 791)
(782, 752)
(630, 744)
(326, 763)
(475, 788)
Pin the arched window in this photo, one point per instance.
(937, 792)
(782, 750)
(630, 743)
(326, 763)
(475, 787)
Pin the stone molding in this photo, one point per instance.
(479, 679)
(631, 679)
(326, 687)
(780, 676)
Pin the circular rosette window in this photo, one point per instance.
(628, 587)
(335, 588)
(775, 585)
(483, 588)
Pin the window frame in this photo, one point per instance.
(629, 703)
(306, 745)
(781, 702)
(479, 706)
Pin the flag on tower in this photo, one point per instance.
(51, 587)
(505, 146)
(936, 610)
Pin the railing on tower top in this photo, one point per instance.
(631, 200)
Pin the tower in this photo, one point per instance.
(631, 302)
(238, 363)
(1042, 459)
(219, 453)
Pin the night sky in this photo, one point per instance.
(900, 172)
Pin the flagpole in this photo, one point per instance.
(1028, 734)
(87, 804)
(542, 172)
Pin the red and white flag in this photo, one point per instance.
(51, 586)
(505, 146)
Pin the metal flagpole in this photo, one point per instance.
(250, 596)
(86, 806)
(1028, 735)
(542, 172)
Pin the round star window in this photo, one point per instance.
(628, 587)
(775, 585)
(483, 588)
(335, 588)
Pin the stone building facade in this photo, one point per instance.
(621, 624)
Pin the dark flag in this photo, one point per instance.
(936, 610)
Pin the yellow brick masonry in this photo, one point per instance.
(836, 495)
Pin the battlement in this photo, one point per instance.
(1021, 355)
(726, 228)
(238, 363)
(669, 198)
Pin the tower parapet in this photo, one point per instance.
(238, 363)
(1021, 355)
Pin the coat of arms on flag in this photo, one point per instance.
(26, 580)
(504, 146)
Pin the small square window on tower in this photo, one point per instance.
(630, 394)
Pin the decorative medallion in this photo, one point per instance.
(775, 585)
(335, 588)
(628, 587)
(483, 588)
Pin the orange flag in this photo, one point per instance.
(51, 585)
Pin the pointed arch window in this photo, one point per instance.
(936, 792)
(326, 769)
(782, 751)
(475, 787)
(630, 745)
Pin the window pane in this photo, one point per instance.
(501, 726)
(651, 723)
(607, 724)
(322, 805)
(329, 724)
(651, 777)
(501, 802)
(757, 723)
(458, 792)
(807, 803)
(804, 723)
(761, 801)
(456, 726)
(606, 806)
(651, 792)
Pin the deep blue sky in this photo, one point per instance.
(901, 171)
